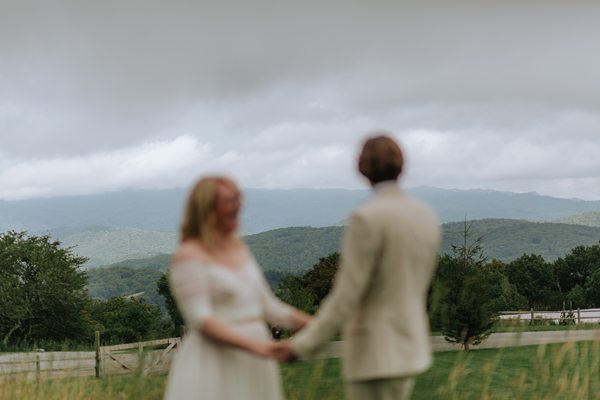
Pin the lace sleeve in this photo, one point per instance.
(276, 312)
(190, 288)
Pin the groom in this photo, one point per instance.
(378, 300)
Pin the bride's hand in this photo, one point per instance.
(262, 349)
(283, 351)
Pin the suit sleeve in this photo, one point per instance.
(359, 251)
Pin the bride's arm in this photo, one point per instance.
(298, 319)
(276, 311)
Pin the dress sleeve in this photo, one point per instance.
(276, 312)
(190, 288)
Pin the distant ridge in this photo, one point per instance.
(591, 218)
(456, 205)
(160, 210)
(105, 245)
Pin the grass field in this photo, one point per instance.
(569, 371)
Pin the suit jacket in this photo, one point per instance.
(378, 300)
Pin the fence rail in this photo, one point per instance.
(119, 359)
(576, 315)
(105, 360)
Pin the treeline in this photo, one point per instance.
(44, 301)
(527, 282)
(296, 249)
(43, 295)
(468, 290)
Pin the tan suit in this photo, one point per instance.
(378, 300)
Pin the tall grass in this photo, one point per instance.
(553, 372)
(568, 371)
(565, 371)
(116, 387)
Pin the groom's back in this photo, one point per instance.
(389, 333)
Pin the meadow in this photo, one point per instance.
(566, 371)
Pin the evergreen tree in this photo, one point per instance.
(164, 290)
(461, 300)
(319, 279)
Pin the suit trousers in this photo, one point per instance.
(380, 389)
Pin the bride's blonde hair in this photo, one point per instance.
(200, 218)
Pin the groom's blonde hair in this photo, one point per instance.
(200, 218)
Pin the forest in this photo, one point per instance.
(47, 297)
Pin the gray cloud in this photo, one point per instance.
(482, 94)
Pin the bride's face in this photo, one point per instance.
(228, 204)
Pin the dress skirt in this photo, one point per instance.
(206, 370)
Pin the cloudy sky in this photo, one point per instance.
(112, 95)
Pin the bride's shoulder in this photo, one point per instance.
(189, 252)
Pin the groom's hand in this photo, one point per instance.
(283, 352)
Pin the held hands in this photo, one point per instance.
(280, 351)
(283, 352)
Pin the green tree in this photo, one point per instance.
(576, 298)
(502, 294)
(42, 290)
(461, 303)
(122, 320)
(293, 291)
(306, 291)
(536, 280)
(163, 289)
(592, 288)
(319, 279)
(575, 267)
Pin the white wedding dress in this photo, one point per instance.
(206, 370)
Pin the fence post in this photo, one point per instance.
(182, 331)
(578, 316)
(37, 367)
(98, 355)
(532, 316)
(140, 357)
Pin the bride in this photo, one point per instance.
(225, 302)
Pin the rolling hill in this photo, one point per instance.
(105, 245)
(591, 218)
(121, 280)
(297, 249)
(506, 239)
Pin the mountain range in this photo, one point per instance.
(113, 227)
(160, 210)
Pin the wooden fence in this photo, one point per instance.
(147, 357)
(574, 316)
(155, 356)
(48, 364)
(132, 357)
